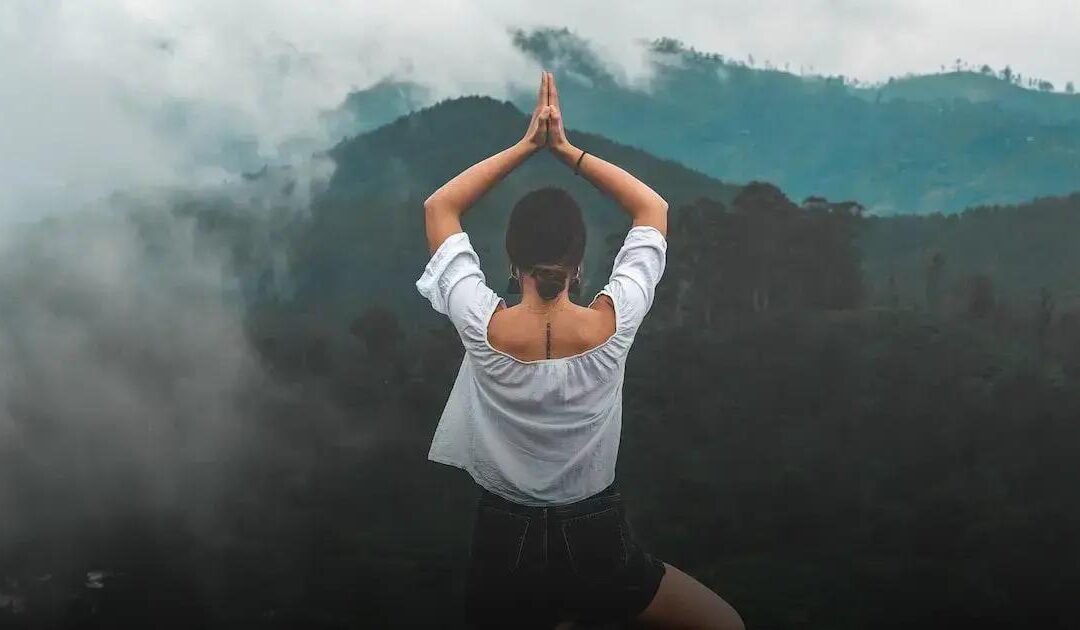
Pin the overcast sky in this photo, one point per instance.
(85, 84)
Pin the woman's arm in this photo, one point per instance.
(444, 208)
(644, 205)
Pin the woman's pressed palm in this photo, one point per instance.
(546, 123)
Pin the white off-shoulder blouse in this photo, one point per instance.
(543, 432)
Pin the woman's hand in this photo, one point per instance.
(536, 136)
(444, 207)
(556, 137)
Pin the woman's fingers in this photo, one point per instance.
(556, 133)
(541, 94)
(545, 126)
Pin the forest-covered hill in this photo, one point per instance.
(370, 218)
(1001, 88)
(914, 145)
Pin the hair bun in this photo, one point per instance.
(550, 280)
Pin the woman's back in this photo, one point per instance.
(544, 430)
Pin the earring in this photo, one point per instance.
(575, 284)
(513, 285)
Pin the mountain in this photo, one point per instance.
(375, 106)
(365, 240)
(914, 145)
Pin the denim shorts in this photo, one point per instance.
(541, 565)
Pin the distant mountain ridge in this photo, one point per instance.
(913, 145)
(979, 87)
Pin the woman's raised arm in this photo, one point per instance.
(444, 208)
(644, 205)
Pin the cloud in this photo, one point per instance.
(118, 93)
(868, 39)
(123, 363)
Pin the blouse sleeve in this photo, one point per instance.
(454, 284)
(637, 269)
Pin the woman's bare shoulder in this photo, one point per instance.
(601, 318)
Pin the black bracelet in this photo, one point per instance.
(578, 165)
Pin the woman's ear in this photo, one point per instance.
(513, 284)
(575, 282)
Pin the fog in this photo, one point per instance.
(128, 383)
(120, 361)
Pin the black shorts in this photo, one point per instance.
(542, 565)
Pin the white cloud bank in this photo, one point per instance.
(105, 94)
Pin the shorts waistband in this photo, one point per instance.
(607, 497)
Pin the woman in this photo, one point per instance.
(535, 413)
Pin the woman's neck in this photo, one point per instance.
(532, 302)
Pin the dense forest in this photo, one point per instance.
(1022, 251)
(836, 420)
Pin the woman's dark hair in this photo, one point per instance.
(546, 238)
